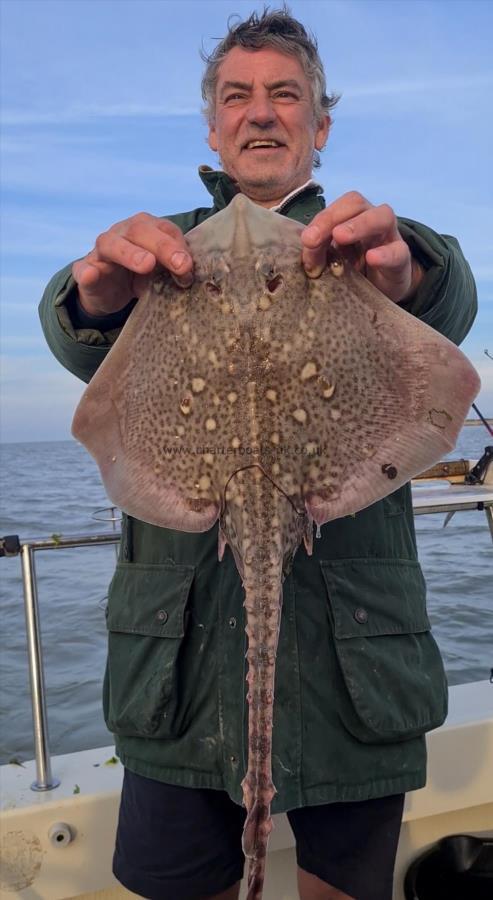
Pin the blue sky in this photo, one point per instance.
(102, 118)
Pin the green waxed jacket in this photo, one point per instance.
(359, 677)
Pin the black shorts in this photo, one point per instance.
(176, 843)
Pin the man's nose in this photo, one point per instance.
(261, 111)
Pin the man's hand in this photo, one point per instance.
(385, 257)
(119, 267)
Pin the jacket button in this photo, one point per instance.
(232, 622)
(162, 615)
(361, 615)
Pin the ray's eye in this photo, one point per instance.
(212, 287)
(273, 283)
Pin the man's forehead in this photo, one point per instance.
(267, 63)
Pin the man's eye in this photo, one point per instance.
(233, 97)
(285, 95)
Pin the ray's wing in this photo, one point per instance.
(151, 416)
(369, 396)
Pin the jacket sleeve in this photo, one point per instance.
(446, 299)
(80, 350)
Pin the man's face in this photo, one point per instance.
(264, 127)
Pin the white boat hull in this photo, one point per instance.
(458, 798)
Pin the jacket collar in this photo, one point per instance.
(223, 189)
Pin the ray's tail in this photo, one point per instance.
(255, 880)
(263, 607)
(264, 529)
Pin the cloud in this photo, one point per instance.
(441, 84)
(79, 114)
(85, 173)
(64, 239)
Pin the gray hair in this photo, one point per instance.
(277, 29)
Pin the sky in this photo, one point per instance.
(101, 118)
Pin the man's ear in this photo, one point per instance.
(322, 132)
(211, 137)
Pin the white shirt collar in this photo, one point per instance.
(310, 183)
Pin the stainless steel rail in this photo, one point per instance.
(451, 499)
(45, 781)
(454, 498)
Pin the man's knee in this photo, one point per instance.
(311, 887)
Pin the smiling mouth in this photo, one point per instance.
(263, 145)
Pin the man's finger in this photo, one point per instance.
(391, 258)
(164, 240)
(140, 242)
(390, 269)
(316, 237)
(314, 260)
(344, 209)
(112, 247)
(372, 227)
(88, 272)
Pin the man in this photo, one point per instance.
(347, 742)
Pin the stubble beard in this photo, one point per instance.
(266, 187)
(262, 187)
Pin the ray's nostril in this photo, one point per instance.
(274, 283)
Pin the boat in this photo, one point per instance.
(58, 816)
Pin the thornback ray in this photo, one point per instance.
(269, 401)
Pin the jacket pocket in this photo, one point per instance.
(146, 619)
(394, 685)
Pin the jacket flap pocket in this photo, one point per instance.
(393, 684)
(149, 599)
(371, 597)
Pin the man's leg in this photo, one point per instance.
(312, 888)
(176, 843)
(347, 850)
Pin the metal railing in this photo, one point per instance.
(425, 501)
(12, 546)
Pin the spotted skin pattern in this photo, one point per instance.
(271, 402)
